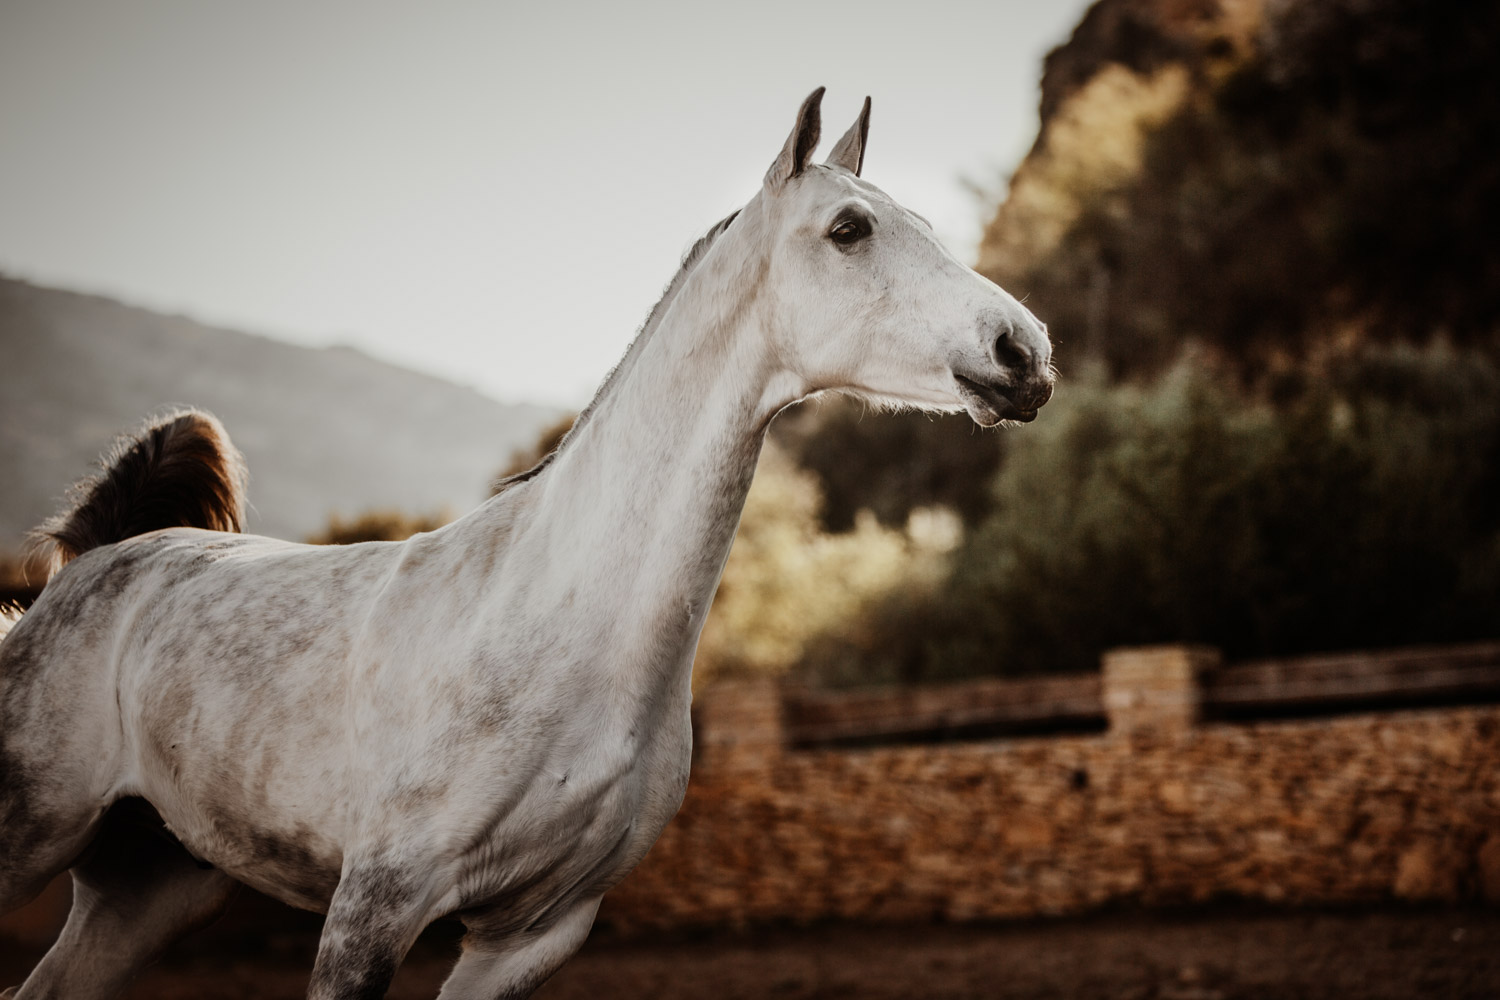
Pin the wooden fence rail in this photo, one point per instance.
(1189, 679)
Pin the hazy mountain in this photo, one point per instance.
(323, 431)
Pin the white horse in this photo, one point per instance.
(489, 720)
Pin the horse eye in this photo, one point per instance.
(848, 231)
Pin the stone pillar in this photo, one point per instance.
(1155, 688)
(739, 722)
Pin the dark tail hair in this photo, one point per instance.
(9, 615)
(178, 471)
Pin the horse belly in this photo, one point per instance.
(242, 753)
(257, 793)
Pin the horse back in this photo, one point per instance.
(214, 668)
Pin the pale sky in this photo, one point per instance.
(495, 193)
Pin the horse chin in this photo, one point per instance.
(982, 414)
(987, 407)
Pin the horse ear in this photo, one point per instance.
(850, 151)
(799, 147)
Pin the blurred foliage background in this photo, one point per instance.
(1362, 512)
(1263, 237)
(1273, 181)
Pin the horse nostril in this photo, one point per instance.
(1010, 354)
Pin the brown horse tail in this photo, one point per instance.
(178, 471)
(9, 615)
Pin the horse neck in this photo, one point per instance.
(640, 508)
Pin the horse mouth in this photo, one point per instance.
(988, 404)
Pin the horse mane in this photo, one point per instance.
(178, 470)
(690, 261)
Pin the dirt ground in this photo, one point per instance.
(1217, 954)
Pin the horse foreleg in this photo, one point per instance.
(137, 891)
(513, 966)
(375, 914)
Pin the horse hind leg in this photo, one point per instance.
(41, 835)
(54, 767)
(32, 854)
(137, 891)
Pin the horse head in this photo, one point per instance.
(867, 299)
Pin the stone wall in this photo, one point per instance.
(1162, 808)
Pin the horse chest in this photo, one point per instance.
(581, 825)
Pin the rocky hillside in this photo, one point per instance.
(1274, 179)
(324, 431)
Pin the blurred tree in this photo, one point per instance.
(546, 442)
(890, 463)
(1275, 183)
(787, 581)
(19, 585)
(377, 526)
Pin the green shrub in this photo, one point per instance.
(1363, 510)
(890, 464)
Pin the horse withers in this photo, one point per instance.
(489, 720)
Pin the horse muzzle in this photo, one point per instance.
(990, 402)
(1015, 379)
